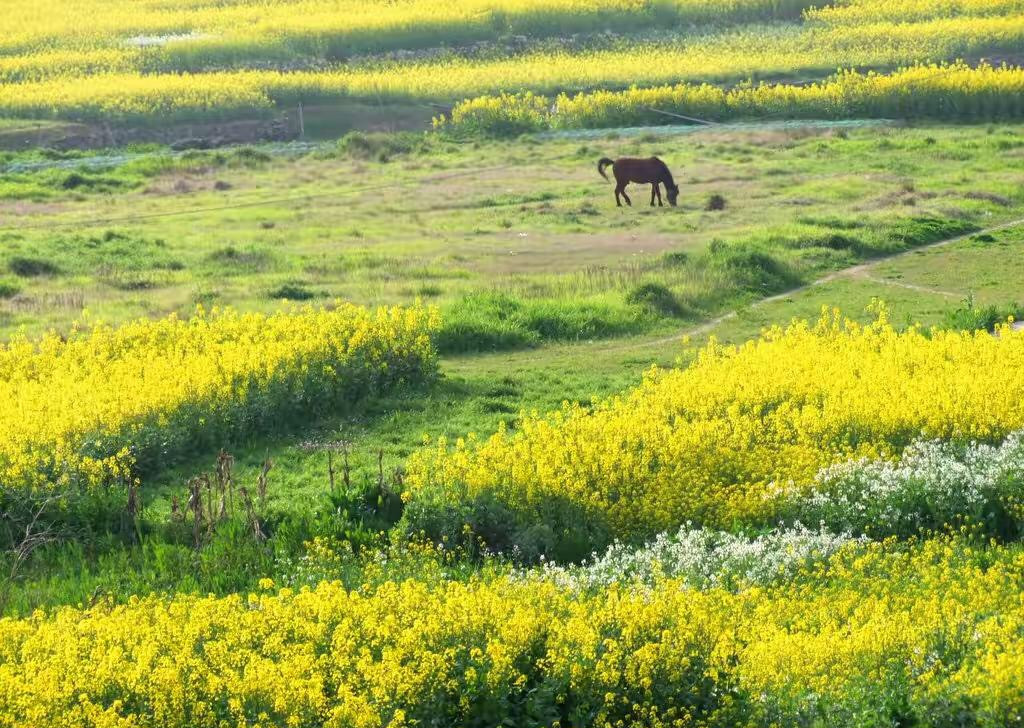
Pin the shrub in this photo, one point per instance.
(656, 298)
(27, 267)
(291, 292)
(9, 289)
(971, 317)
(379, 146)
(715, 202)
(497, 321)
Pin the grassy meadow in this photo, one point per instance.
(514, 241)
(550, 275)
(405, 423)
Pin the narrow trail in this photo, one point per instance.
(860, 270)
(908, 286)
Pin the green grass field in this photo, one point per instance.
(518, 242)
(534, 268)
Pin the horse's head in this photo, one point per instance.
(673, 194)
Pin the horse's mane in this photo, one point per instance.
(668, 175)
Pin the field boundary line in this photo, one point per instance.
(853, 271)
(909, 286)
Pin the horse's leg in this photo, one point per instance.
(626, 197)
(654, 191)
(657, 189)
(618, 191)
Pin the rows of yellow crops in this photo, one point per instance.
(346, 26)
(713, 442)
(734, 54)
(351, 26)
(866, 11)
(930, 635)
(210, 74)
(103, 403)
(956, 91)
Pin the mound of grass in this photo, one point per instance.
(915, 231)
(380, 146)
(27, 267)
(247, 260)
(248, 157)
(495, 322)
(715, 202)
(832, 241)
(132, 281)
(675, 259)
(752, 269)
(484, 322)
(292, 292)
(9, 288)
(100, 254)
(656, 298)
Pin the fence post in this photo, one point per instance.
(302, 123)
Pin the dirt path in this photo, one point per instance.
(908, 286)
(574, 351)
(861, 270)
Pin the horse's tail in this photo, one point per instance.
(601, 164)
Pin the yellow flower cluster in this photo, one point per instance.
(867, 11)
(341, 26)
(104, 403)
(714, 441)
(930, 632)
(954, 91)
(103, 75)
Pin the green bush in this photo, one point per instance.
(9, 288)
(558, 530)
(753, 270)
(497, 321)
(380, 146)
(292, 292)
(971, 317)
(657, 299)
(28, 267)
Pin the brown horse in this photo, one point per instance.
(642, 171)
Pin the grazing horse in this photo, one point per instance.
(642, 171)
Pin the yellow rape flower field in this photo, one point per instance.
(483, 511)
(98, 406)
(931, 630)
(848, 631)
(138, 61)
(715, 442)
(923, 91)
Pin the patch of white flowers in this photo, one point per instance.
(703, 558)
(931, 485)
